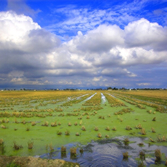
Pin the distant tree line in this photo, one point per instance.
(72, 89)
(114, 88)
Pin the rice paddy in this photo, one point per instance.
(38, 122)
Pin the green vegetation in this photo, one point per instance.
(30, 121)
(12, 165)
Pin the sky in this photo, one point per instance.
(50, 44)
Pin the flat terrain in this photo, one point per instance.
(38, 122)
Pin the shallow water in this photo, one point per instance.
(108, 152)
(89, 97)
(103, 98)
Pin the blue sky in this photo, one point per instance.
(83, 44)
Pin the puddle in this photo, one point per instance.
(103, 98)
(108, 153)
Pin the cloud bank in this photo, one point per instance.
(108, 55)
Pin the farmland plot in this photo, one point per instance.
(45, 121)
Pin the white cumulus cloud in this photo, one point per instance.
(30, 54)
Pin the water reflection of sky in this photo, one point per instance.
(103, 98)
(107, 153)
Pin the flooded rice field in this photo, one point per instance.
(109, 152)
(102, 128)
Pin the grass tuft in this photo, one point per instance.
(126, 141)
(96, 129)
(33, 123)
(142, 155)
(30, 145)
(51, 148)
(114, 129)
(125, 156)
(67, 133)
(16, 146)
(73, 151)
(158, 155)
(153, 130)
(99, 135)
(59, 133)
(154, 119)
(83, 128)
(77, 134)
(108, 128)
(143, 132)
(1, 142)
(128, 128)
(63, 149)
